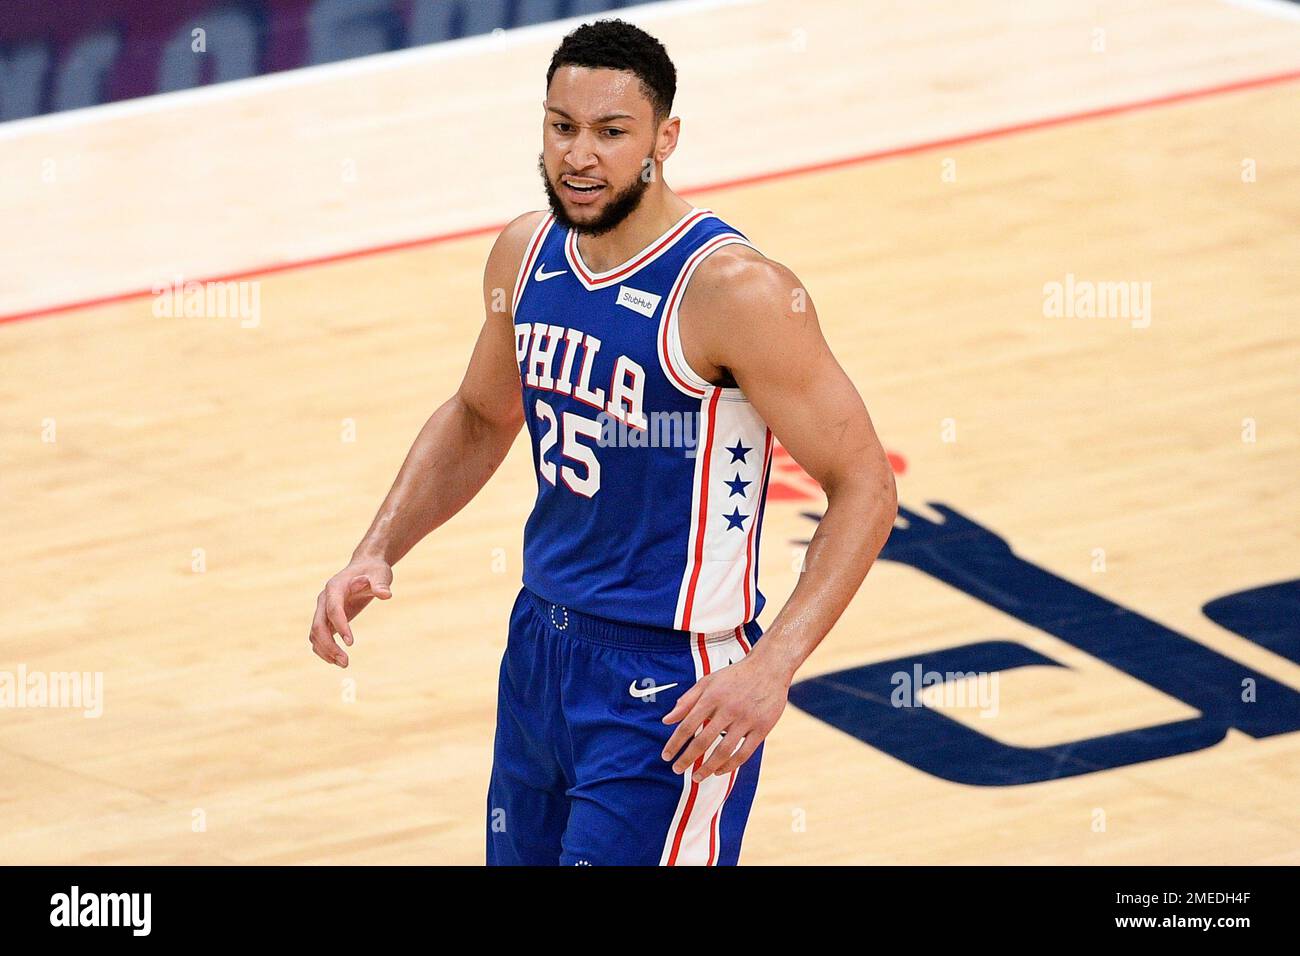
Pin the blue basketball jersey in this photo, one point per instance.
(651, 481)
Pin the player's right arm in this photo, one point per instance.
(456, 452)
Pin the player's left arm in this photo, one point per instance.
(752, 317)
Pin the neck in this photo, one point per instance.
(658, 210)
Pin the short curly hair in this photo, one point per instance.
(618, 45)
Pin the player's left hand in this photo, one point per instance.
(742, 701)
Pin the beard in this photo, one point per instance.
(616, 210)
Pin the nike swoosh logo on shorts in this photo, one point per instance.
(540, 276)
(639, 692)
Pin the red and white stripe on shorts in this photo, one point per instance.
(693, 838)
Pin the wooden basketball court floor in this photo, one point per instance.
(176, 490)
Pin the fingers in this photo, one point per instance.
(376, 584)
(338, 600)
(322, 639)
(683, 707)
(711, 731)
(342, 599)
(729, 742)
(337, 616)
(749, 743)
(684, 710)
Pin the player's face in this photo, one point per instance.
(598, 147)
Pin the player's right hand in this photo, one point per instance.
(342, 599)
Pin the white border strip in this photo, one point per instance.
(672, 353)
(531, 252)
(357, 66)
(1282, 9)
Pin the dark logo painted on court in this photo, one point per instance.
(973, 559)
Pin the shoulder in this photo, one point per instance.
(511, 246)
(738, 281)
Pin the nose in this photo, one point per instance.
(580, 155)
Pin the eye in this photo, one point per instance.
(615, 133)
(562, 127)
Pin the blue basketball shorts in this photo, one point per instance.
(577, 776)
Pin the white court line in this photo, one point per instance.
(1273, 8)
(357, 66)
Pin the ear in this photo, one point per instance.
(666, 142)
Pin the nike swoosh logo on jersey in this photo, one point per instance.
(541, 276)
(640, 692)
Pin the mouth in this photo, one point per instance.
(580, 189)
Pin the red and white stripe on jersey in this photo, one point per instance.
(531, 252)
(694, 837)
(751, 546)
(600, 280)
(733, 448)
(672, 358)
(719, 581)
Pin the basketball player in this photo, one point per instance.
(658, 355)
